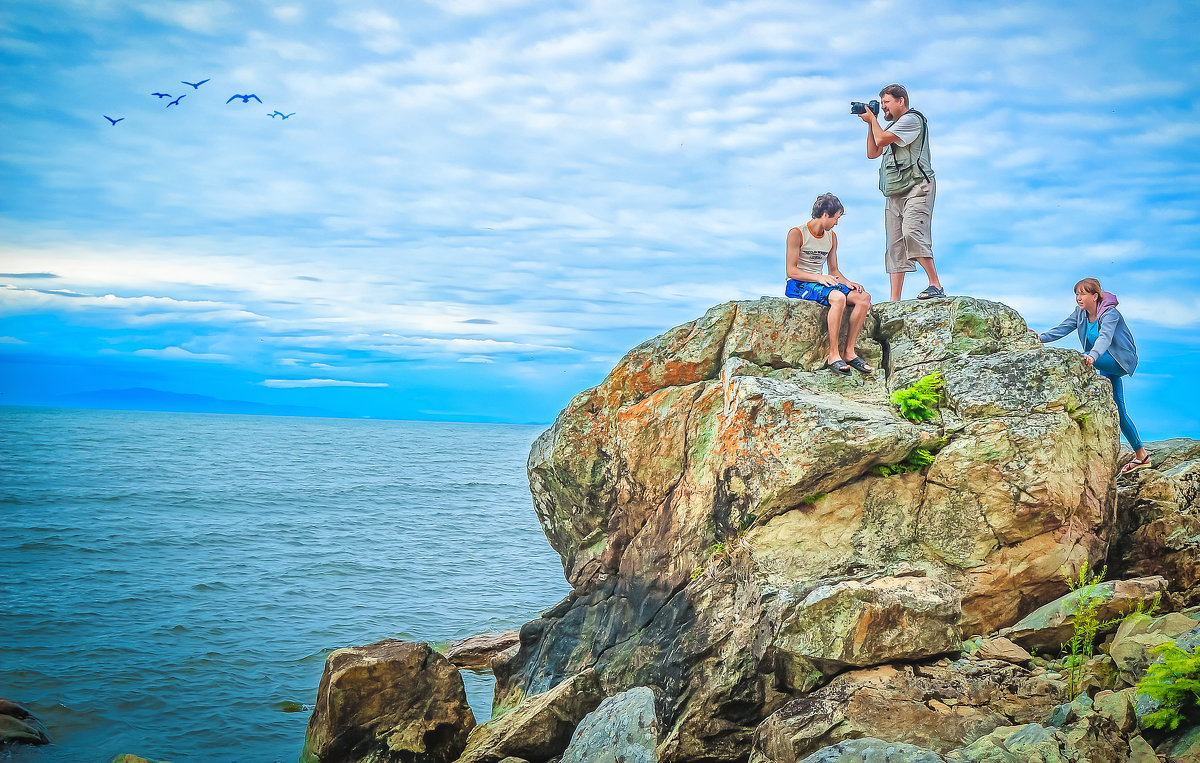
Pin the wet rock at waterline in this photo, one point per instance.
(388, 702)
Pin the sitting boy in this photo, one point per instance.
(809, 248)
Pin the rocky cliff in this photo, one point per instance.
(722, 517)
(791, 566)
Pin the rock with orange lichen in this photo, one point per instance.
(718, 481)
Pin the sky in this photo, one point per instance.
(476, 207)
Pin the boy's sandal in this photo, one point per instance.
(931, 293)
(838, 366)
(858, 364)
(1136, 463)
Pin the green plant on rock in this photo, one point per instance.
(1086, 624)
(1175, 683)
(916, 460)
(811, 499)
(920, 401)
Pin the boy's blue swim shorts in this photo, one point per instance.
(812, 291)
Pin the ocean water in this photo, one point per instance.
(170, 584)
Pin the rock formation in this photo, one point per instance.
(721, 516)
(780, 567)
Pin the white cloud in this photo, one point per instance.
(178, 353)
(203, 17)
(305, 383)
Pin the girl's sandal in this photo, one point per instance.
(1136, 463)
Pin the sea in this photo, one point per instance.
(171, 583)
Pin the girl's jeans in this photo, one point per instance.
(1112, 371)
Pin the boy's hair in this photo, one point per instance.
(1090, 285)
(827, 204)
(896, 91)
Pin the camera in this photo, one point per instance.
(858, 107)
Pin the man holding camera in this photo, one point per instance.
(906, 179)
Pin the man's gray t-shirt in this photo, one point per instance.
(906, 128)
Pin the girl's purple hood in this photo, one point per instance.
(1107, 300)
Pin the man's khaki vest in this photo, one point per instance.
(905, 166)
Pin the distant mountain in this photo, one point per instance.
(145, 399)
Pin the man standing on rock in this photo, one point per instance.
(810, 247)
(906, 179)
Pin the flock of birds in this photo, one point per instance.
(196, 86)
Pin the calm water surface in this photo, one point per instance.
(170, 584)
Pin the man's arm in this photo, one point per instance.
(794, 240)
(835, 271)
(877, 137)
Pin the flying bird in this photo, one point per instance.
(280, 113)
(195, 85)
(245, 98)
(176, 101)
(162, 95)
(114, 121)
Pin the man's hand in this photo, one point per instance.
(855, 286)
(1089, 360)
(827, 280)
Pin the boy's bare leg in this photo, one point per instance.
(837, 305)
(897, 285)
(858, 317)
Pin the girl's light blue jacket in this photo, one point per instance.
(1115, 338)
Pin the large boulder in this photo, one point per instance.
(940, 706)
(476, 653)
(388, 702)
(717, 478)
(1158, 512)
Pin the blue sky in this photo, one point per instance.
(480, 205)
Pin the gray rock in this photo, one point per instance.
(870, 750)
(19, 726)
(623, 729)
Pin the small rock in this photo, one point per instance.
(874, 750)
(1140, 751)
(1117, 705)
(476, 652)
(129, 758)
(539, 727)
(18, 725)
(1183, 746)
(1000, 648)
(1173, 625)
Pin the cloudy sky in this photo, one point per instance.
(477, 206)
